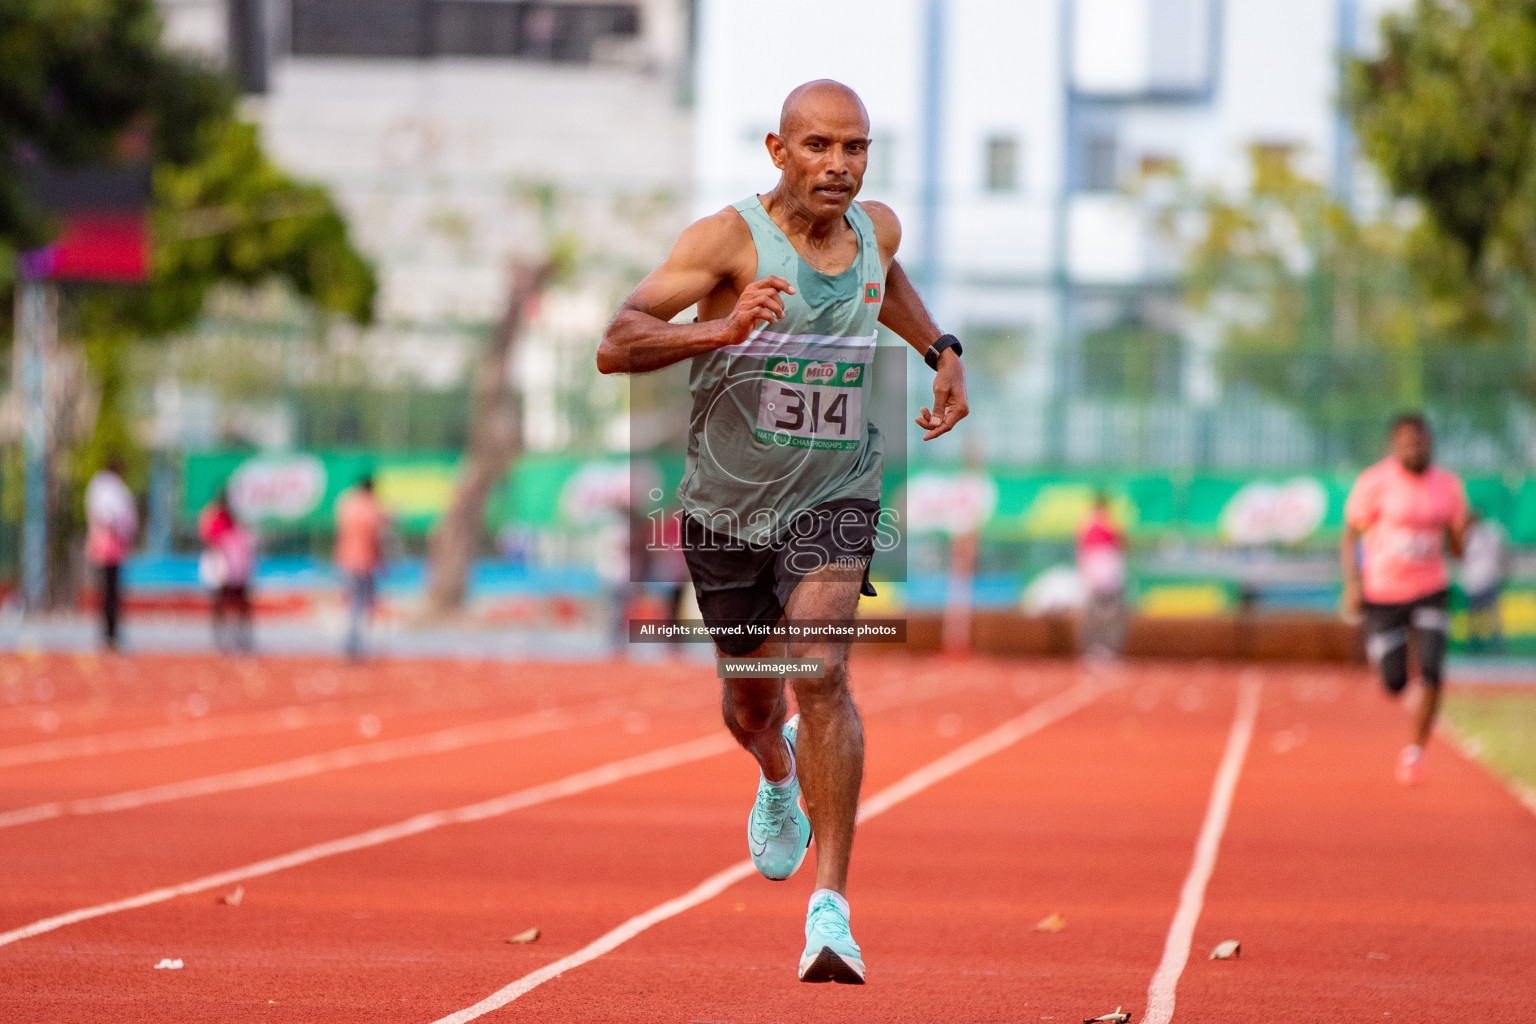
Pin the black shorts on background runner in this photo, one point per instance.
(736, 582)
(1386, 638)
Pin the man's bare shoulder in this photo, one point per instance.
(719, 241)
(887, 224)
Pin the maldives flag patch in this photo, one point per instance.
(872, 293)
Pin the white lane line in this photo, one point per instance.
(1052, 710)
(1192, 897)
(157, 736)
(614, 771)
(440, 742)
(1472, 753)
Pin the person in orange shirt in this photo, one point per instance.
(360, 525)
(1402, 516)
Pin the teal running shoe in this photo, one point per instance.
(778, 832)
(830, 952)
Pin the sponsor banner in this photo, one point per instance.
(282, 488)
(299, 490)
(952, 503)
(1262, 512)
(562, 492)
(1254, 510)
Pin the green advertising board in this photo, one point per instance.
(298, 490)
(556, 491)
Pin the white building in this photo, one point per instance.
(1048, 111)
(458, 135)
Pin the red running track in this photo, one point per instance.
(1353, 898)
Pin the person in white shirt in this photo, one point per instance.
(1484, 568)
(112, 522)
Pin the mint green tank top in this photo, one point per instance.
(781, 421)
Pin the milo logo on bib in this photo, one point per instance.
(816, 405)
(816, 373)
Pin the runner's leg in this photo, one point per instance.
(1386, 644)
(754, 711)
(1429, 626)
(830, 749)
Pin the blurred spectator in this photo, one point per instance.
(111, 524)
(1101, 564)
(228, 561)
(1485, 563)
(669, 567)
(361, 523)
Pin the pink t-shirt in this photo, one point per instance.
(360, 525)
(1101, 555)
(1404, 517)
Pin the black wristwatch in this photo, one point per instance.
(931, 357)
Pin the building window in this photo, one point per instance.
(563, 32)
(1099, 164)
(1144, 47)
(1002, 164)
(1159, 165)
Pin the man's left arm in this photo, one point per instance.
(1456, 529)
(902, 311)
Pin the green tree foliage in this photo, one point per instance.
(80, 80)
(1286, 268)
(73, 75)
(87, 82)
(231, 215)
(1324, 311)
(1446, 113)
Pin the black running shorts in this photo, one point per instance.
(1387, 628)
(741, 583)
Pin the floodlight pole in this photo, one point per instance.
(930, 244)
(1344, 144)
(37, 327)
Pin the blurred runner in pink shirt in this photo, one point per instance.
(226, 568)
(360, 525)
(1101, 564)
(1407, 512)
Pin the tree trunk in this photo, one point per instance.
(495, 438)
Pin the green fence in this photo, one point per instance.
(299, 490)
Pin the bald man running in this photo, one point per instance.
(782, 486)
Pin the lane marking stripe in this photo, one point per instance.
(614, 771)
(1472, 753)
(157, 736)
(1043, 714)
(1160, 994)
(443, 741)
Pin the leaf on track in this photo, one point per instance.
(232, 899)
(523, 938)
(1228, 950)
(1054, 923)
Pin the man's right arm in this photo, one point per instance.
(1352, 604)
(641, 337)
